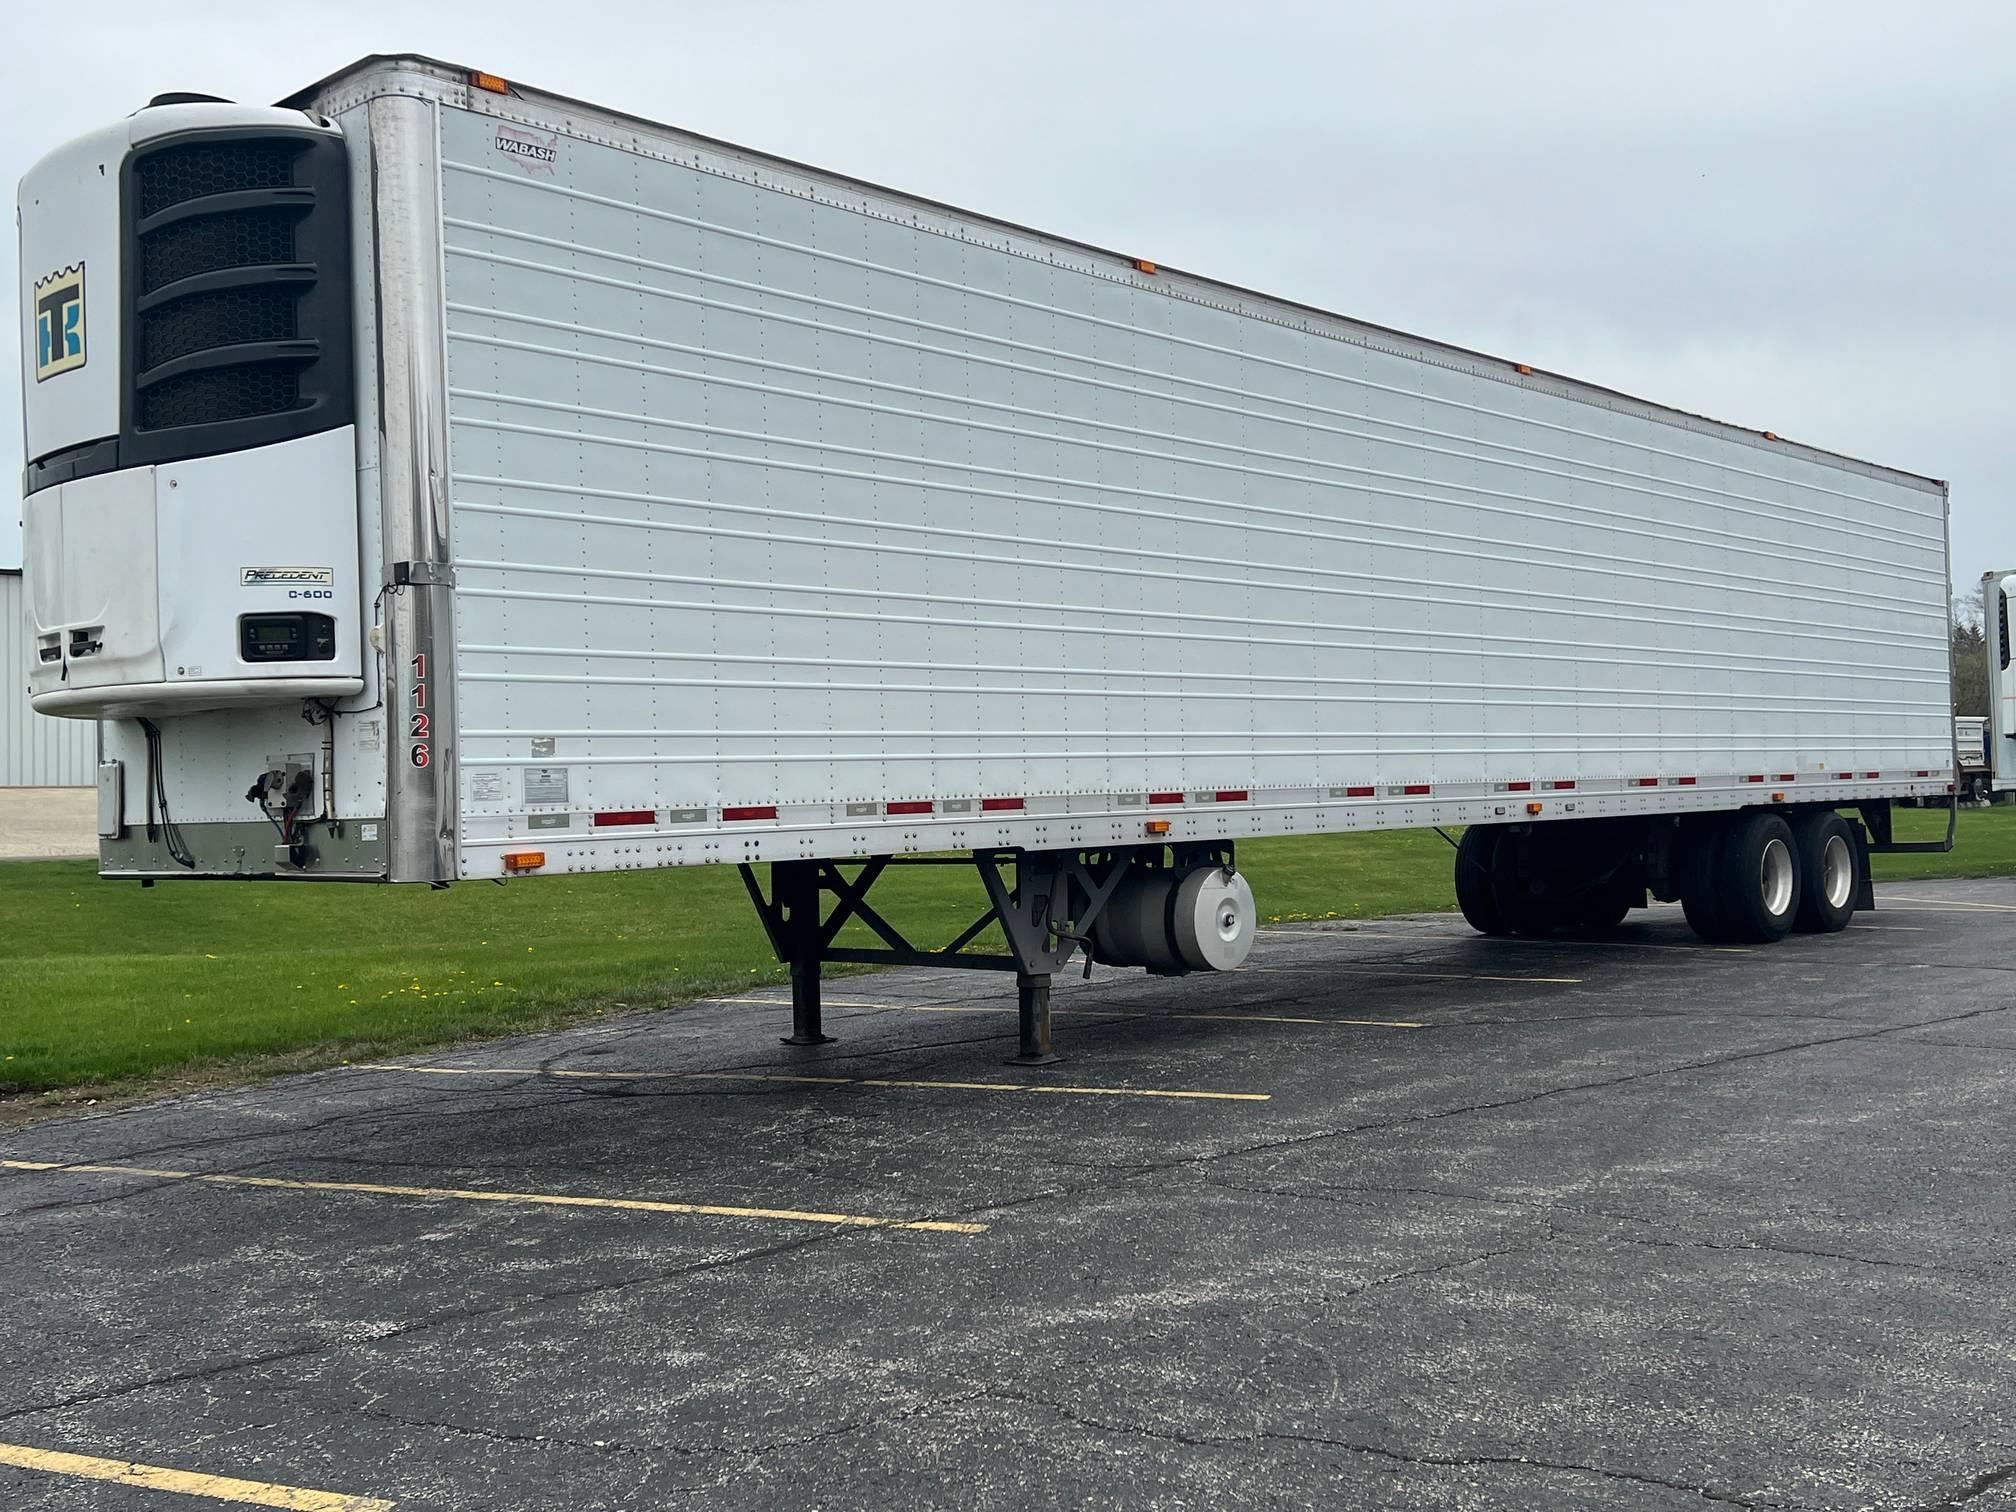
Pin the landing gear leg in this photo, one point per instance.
(1032, 1000)
(797, 885)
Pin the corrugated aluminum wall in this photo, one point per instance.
(761, 497)
(34, 751)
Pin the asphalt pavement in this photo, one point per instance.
(1395, 1217)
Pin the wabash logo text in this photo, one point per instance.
(59, 322)
(535, 154)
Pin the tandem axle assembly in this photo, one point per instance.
(1170, 911)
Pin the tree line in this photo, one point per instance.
(1970, 655)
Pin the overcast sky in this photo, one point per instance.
(1798, 217)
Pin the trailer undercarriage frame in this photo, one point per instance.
(1046, 910)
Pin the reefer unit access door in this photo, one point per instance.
(794, 518)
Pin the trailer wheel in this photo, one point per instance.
(1604, 909)
(1699, 874)
(1474, 894)
(1524, 906)
(1758, 867)
(1827, 879)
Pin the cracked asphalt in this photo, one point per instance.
(1621, 1222)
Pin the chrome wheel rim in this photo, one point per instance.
(1837, 871)
(1774, 877)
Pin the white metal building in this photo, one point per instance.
(35, 751)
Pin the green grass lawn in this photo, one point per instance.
(105, 982)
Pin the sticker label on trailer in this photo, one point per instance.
(58, 302)
(419, 721)
(545, 784)
(486, 786)
(285, 577)
(529, 150)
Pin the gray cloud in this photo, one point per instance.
(1794, 216)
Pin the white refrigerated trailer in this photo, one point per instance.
(1998, 608)
(1976, 777)
(430, 478)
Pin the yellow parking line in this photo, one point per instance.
(541, 1199)
(187, 1483)
(786, 1002)
(1139, 1013)
(1438, 976)
(1229, 1018)
(1928, 908)
(1566, 942)
(1247, 1018)
(826, 1081)
(1960, 903)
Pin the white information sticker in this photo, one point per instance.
(545, 784)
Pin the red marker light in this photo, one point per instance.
(625, 816)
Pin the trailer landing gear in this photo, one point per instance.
(1032, 1005)
(1054, 907)
(796, 938)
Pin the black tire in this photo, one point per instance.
(1758, 863)
(1474, 896)
(1701, 878)
(1603, 910)
(1829, 878)
(1520, 903)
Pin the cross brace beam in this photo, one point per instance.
(1046, 916)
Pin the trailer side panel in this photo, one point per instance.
(783, 509)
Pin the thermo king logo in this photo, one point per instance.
(286, 577)
(59, 322)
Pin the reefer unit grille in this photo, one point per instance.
(196, 170)
(221, 317)
(222, 394)
(235, 239)
(237, 286)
